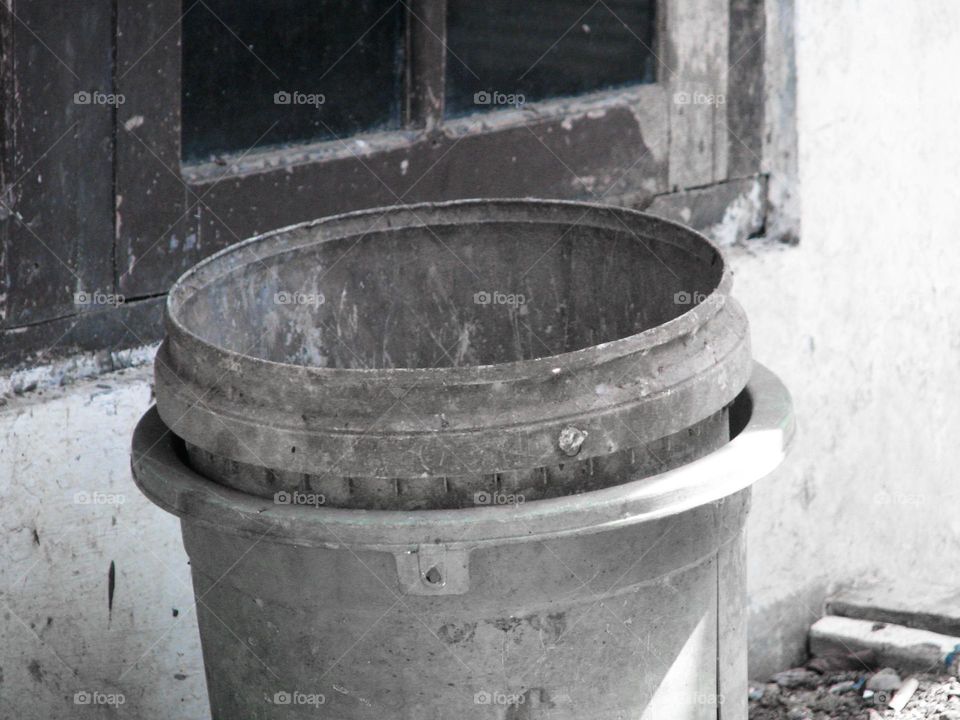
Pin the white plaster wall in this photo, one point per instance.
(862, 319)
(58, 636)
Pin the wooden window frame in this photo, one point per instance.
(624, 146)
(208, 206)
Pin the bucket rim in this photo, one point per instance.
(684, 323)
(763, 414)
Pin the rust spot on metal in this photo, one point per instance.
(571, 440)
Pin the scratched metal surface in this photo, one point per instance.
(412, 357)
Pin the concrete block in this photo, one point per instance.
(927, 608)
(895, 646)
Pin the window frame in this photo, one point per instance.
(207, 206)
(96, 198)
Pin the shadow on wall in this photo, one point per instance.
(778, 631)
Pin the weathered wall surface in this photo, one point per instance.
(70, 518)
(862, 319)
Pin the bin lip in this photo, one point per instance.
(686, 322)
(162, 475)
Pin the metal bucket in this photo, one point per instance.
(340, 474)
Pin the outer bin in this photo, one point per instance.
(467, 460)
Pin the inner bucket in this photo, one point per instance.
(441, 356)
(449, 295)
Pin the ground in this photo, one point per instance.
(806, 695)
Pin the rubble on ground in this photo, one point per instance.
(803, 694)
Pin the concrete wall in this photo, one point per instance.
(70, 518)
(860, 319)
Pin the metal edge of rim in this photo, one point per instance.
(161, 474)
(619, 426)
(682, 324)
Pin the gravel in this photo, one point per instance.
(798, 694)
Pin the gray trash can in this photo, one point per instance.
(478, 459)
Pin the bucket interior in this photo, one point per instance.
(477, 293)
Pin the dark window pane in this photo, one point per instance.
(538, 49)
(336, 65)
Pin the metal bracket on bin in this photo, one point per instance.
(434, 570)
